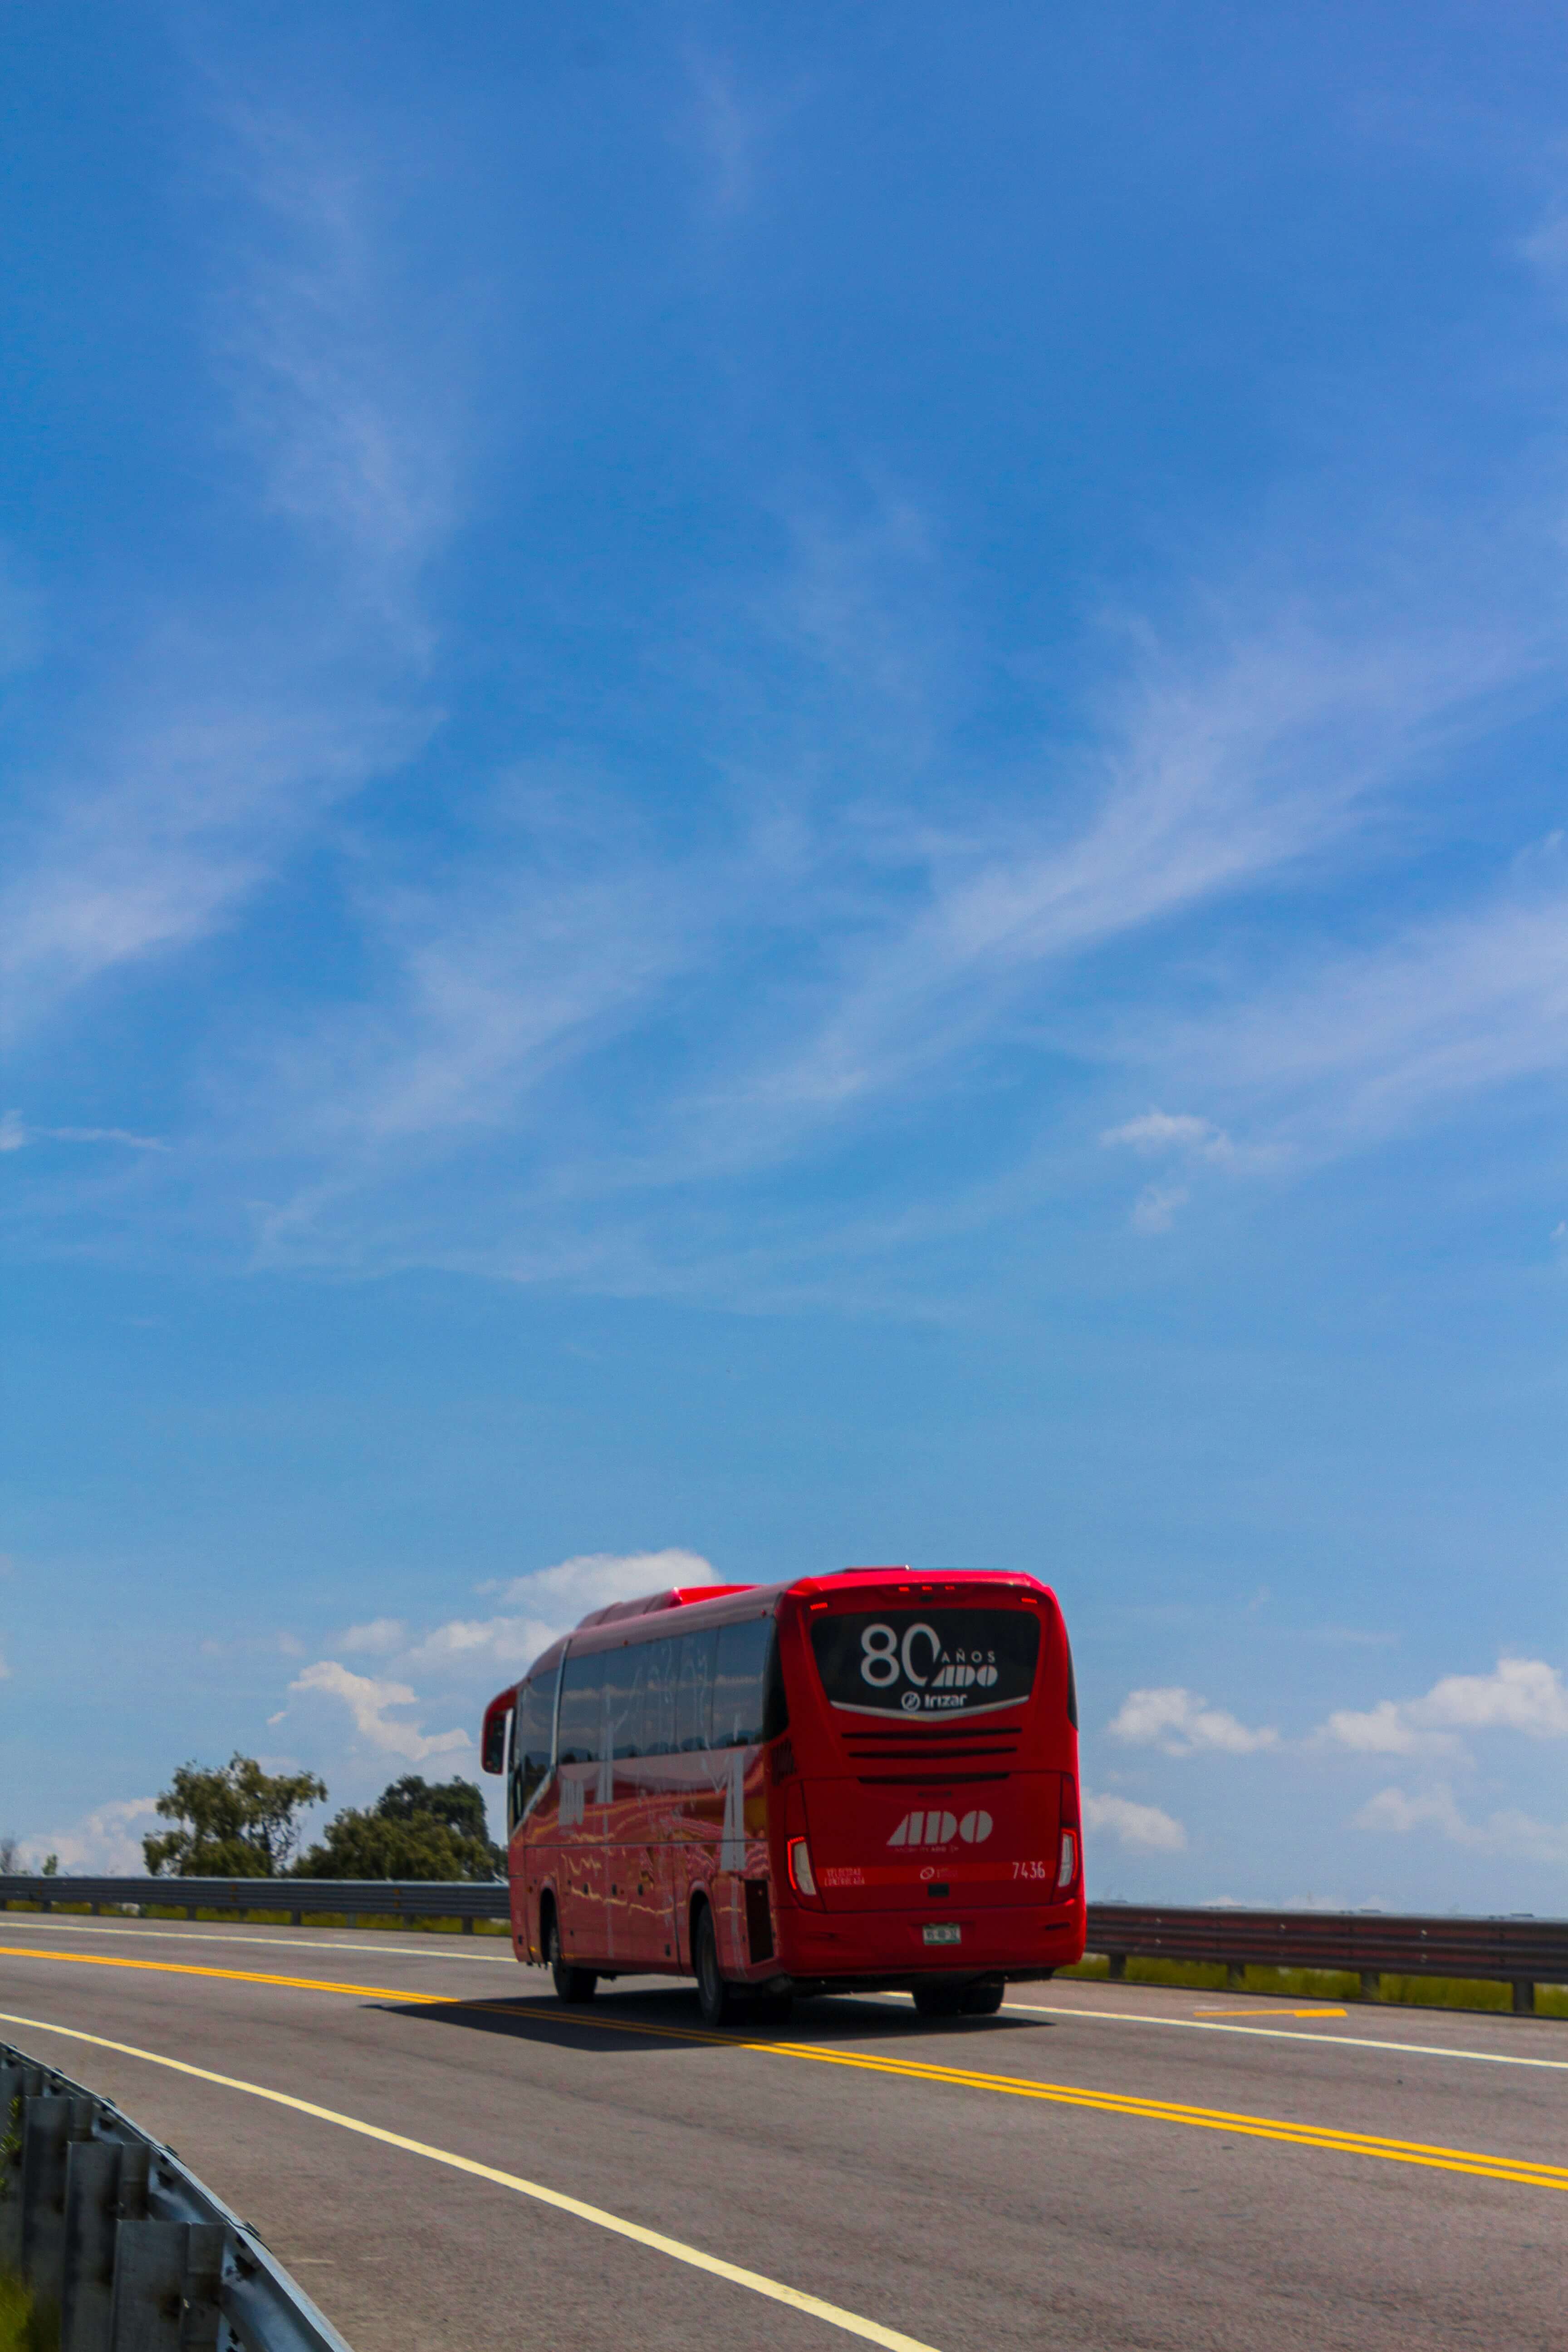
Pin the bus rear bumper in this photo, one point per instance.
(894, 1947)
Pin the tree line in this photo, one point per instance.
(236, 1821)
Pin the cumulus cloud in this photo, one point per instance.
(369, 1701)
(1183, 1724)
(1397, 1812)
(104, 1843)
(592, 1580)
(547, 1602)
(1523, 1695)
(1143, 1826)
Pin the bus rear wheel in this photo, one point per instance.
(940, 1999)
(984, 1998)
(716, 1996)
(571, 1984)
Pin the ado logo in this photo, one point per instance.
(941, 1829)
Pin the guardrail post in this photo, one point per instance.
(1523, 1999)
(50, 2123)
(1236, 1976)
(1116, 1966)
(94, 2171)
(166, 2280)
(1371, 1984)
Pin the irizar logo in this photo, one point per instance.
(941, 1829)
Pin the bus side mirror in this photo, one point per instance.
(492, 1741)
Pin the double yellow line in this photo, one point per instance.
(1516, 2170)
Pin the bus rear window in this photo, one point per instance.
(926, 1662)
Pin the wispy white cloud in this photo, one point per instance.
(380, 1638)
(1182, 1723)
(1145, 1828)
(15, 1136)
(1506, 1831)
(217, 741)
(1521, 1695)
(1356, 1048)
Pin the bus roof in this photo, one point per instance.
(685, 1596)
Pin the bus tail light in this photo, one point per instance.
(801, 1875)
(1069, 1852)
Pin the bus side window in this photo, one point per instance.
(582, 1706)
(694, 1691)
(624, 1672)
(658, 1697)
(748, 1693)
(534, 1729)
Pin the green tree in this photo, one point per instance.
(236, 1821)
(416, 1829)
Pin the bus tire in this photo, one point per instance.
(984, 1998)
(717, 1998)
(940, 1999)
(571, 1984)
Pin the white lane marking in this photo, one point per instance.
(849, 2322)
(1287, 2033)
(327, 1941)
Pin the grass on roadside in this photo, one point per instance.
(24, 2327)
(1327, 1985)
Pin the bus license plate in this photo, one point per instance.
(942, 1935)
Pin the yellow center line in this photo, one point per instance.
(232, 1976)
(1271, 2012)
(1522, 2172)
(850, 2322)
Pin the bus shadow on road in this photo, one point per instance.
(663, 2020)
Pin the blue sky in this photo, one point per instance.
(786, 786)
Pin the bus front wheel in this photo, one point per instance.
(715, 1997)
(571, 1984)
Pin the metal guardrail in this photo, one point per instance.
(1368, 1944)
(1521, 1952)
(126, 2247)
(463, 1899)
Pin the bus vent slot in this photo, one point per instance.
(934, 1779)
(942, 1755)
(783, 1760)
(759, 1921)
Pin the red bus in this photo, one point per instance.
(852, 1782)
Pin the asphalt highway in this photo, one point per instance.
(449, 2162)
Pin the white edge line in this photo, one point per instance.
(849, 2321)
(1285, 2033)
